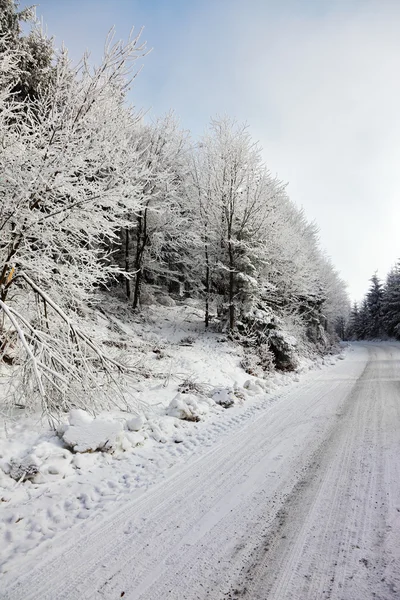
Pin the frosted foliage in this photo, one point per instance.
(258, 248)
(68, 178)
(69, 181)
(157, 238)
(236, 198)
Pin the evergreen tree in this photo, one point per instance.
(374, 308)
(32, 52)
(363, 321)
(391, 303)
(352, 332)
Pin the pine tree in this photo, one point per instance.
(363, 321)
(374, 308)
(391, 303)
(33, 52)
(352, 332)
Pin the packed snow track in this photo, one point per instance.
(302, 502)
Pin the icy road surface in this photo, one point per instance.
(302, 503)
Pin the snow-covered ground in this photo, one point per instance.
(69, 485)
(289, 496)
(296, 498)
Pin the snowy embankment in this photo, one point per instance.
(191, 392)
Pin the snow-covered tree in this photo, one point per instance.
(261, 256)
(353, 323)
(363, 321)
(336, 306)
(374, 299)
(68, 185)
(158, 230)
(391, 303)
(33, 51)
(235, 196)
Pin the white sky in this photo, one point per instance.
(318, 81)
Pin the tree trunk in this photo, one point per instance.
(141, 242)
(128, 282)
(136, 293)
(231, 287)
(7, 270)
(207, 313)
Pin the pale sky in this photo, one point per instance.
(318, 82)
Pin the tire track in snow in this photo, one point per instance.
(332, 543)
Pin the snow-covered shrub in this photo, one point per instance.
(267, 359)
(189, 408)
(268, 345)
(24, 469)
(225, 397)
(188, 340)
(258, 360)
(250, 363)
(284, 349)
(190, 386)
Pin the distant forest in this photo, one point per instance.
(378, 315)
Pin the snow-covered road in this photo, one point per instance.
(302, 502)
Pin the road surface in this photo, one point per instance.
(302, 503)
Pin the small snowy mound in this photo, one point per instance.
(254, 386)
(224, 397)
(135, 424)
(189, 408)
(55, 462)
(166, 300)
(86, 434)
